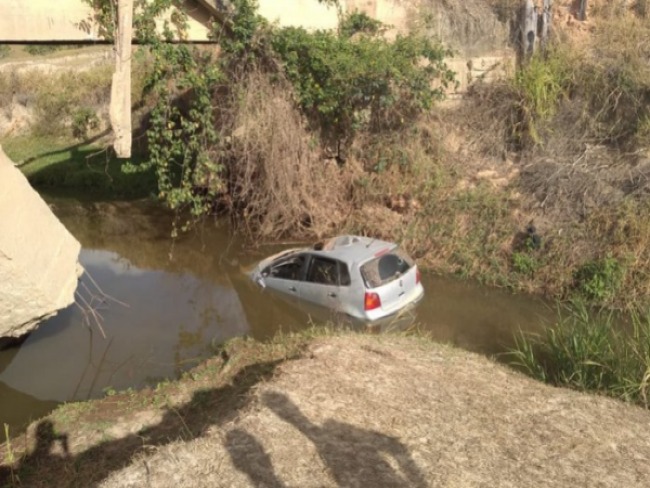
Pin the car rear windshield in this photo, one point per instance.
(386, 268)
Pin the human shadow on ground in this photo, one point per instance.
(353, 456)
(43, 468)
(250, 457)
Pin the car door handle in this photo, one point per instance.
(292, 288)
(331, 294)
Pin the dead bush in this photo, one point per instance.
(47, 95)
(489, 119)
(279, 184)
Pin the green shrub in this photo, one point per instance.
(347, 83)
(524, 263)
(84, 120)
(599, 280)
(357, 22)
(5, 50)
(540, 86)
(41, 49)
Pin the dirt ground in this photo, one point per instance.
(353, 411)
(368, 412)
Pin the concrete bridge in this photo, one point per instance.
(28, 21)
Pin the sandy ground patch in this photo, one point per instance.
(384, 411)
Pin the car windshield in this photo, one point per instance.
(385, 268)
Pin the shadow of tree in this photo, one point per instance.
(42, 468)
(75, 148)
(353, 456)
(85, 168)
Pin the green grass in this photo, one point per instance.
(26, 52)
(590, 351)
(58, 165)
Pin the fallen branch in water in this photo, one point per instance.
(90, 300)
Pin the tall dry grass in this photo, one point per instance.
(55, 97)
(279, 184)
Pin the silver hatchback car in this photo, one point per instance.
(365, 279)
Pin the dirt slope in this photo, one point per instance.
(366, 411)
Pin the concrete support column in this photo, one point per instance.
(120, 111)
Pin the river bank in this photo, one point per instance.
(460, 186)
(173, 311)
(324, 409)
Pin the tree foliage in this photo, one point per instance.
(356, 79)
(145, 14)
(182, 132)
(343, 81)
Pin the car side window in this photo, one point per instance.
(344, 275)
(323, 271)
(286, 268)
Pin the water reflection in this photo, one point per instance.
(476, 317)
(183, 298)
(169, 324)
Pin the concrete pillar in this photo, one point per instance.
(38, 257)
(120, 110)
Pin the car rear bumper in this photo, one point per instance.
(375, 317)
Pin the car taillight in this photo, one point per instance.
(418, 276)
(371, 301)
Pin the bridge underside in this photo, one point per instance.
(71, 21)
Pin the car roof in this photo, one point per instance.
(352, 249)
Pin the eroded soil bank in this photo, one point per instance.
(339, 410)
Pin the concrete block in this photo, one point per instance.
(39, 266)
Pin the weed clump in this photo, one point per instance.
(599, 280)
(590, 351)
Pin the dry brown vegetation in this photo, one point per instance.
(47, 97)
(563, 144)
(278, 183)
(347, 411)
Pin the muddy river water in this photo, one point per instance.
(179, 301)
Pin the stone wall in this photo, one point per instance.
(39, 266)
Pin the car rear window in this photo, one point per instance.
(385, 268)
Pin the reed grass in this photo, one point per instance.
(9, 457)
(590, 351)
